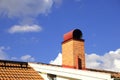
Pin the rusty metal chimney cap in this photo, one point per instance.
(74, 34)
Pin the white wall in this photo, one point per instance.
(69, 74)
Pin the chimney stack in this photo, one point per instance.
(73, 55)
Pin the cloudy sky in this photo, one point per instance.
(32, 30)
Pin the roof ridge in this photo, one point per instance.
(8, 63)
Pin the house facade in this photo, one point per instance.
(73, 62)
(73, 65)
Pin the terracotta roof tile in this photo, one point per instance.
(13, 70)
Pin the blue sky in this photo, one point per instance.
(34, 29)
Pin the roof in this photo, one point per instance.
(113, 74)
(69, 73)
(12, 70)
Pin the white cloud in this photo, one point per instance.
(57, 2)
(3, 54)
(26, 11)
(26, 8)
(108, 61)
(92, 60)
(58, 60)
(24, 28)
(117, 63)
(18, 8)
(27, 58)
(14, 58)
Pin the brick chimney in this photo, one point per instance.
(73, 55)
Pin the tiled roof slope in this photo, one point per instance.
(14, 70)
(113, 74)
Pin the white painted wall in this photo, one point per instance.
(44, 75)
(69, 74)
